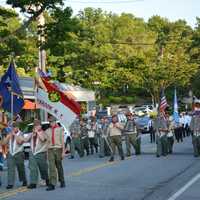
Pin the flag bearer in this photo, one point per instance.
(161, 128)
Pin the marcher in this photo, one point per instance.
(151, 130)
(92, 128)
(15, 157)
(75, 131)
(105, 147)
(161, 135)
(115, 132)
(131, 135)
(182, 129)
(38, 155)
(56, 153)
(187, 123)
(170, 135)
(195, 128)
(1, 159)
(84, 136)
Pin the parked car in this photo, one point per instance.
(142, 122)
(45, 126)
(143, 110)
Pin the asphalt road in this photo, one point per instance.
(143, 177)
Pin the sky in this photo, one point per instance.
(171, 9)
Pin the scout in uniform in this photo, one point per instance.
(130, 131)
(115, 132)
(15, 158)
(195, 128)
(170, 135)
(75, 131)
(92, 128)
(105, 147)
(161, 128)
(56, 153)
(37, 155)
(84, 136)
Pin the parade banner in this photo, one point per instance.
(58, 109)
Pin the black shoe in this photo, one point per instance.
(24, 183)
(111, 159)
(50, 187)
(101, 156)
(47, 182)
(32, 186)
(62, 184)
(9, 187)
(157, 156)
(71, 157)
(122, 158)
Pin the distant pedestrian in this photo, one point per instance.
(115, 134)
(56, 153)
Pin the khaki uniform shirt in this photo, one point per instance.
(58, 137)
(113, 130)
(195, 125)
(40, 146)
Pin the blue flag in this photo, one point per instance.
(175, 114)
(10, 83)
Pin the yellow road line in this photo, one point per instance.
(14, 192)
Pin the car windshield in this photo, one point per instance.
(139, 109)
(142, 120)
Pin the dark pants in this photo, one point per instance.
(55, 166)
(178, 134)
(93, 144)
(152, 135)
(196, 145)
(16, 161)
(85, 145)
(76, 146)
(170, 144)
(187, 130)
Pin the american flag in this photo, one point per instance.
(163, 102)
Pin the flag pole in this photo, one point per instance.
(12, 102)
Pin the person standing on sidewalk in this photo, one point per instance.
(37, 155)
(56, 153)
(115, 134)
